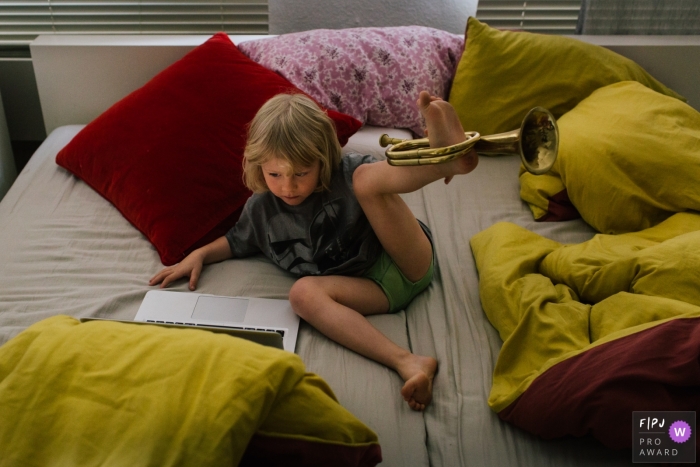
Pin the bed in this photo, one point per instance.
(69, 251)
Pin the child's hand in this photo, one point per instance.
(190, 267)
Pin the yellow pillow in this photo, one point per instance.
(629, 157)
(108, 393)
(503, 74)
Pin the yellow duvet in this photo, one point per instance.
(109, 393)
(593, 331)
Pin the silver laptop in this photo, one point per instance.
(268, 338)
(246, 314)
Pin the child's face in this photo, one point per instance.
(291, 185)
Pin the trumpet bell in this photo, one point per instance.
(539, 141)
(536, 142)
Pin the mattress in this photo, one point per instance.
(66, 250)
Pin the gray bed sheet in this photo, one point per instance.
(66, 250)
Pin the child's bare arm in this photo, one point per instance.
(191, 266)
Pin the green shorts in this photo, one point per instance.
(399, 290)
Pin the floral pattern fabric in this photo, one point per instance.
(372, 74)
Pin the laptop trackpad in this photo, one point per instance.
(220, 309)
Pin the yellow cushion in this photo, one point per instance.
(503, 74)
(108, 393)
(629, 157)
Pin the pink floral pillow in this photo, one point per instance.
(373, 74)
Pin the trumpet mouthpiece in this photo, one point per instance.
(385, 140)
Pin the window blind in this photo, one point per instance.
(658, 17)
(543, 16)
(22, 20)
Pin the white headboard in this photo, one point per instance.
(79, 77)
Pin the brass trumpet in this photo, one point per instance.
(536, 141)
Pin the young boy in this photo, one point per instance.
(339, 224)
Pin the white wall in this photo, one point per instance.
(299, 15)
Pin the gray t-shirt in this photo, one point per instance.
(327, 234)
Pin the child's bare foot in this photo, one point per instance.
(445, 129)
(418, 372)
(443, 125)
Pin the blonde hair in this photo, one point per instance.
(291, 127)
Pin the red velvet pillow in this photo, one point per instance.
(169, 155)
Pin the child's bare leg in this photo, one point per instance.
(377, 187)
(337, 305)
